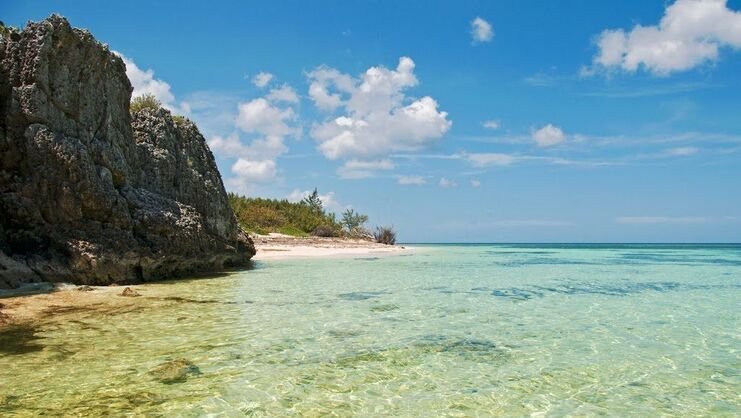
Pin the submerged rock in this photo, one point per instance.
(129, 292)
(89, 193)
(175, 371)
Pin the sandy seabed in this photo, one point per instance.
(41, 300)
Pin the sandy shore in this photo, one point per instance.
(277, 246)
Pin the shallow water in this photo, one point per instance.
(456, 330)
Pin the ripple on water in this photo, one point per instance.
(618, 331)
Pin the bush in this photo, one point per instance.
(385, 235)
(325, 231)
(145, 101)
(271, 215)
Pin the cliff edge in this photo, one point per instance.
(90, 193)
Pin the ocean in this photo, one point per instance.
(446, 330)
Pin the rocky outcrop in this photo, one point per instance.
(90, 193)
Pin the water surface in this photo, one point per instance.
(454, 330)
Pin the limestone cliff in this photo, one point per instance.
(90, 193)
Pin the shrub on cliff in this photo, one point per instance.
(145, 101)
(385, 235)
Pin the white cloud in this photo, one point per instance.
(357, 169)
(411, 180)
(690, 33)
(284, 93)
(682, 151)
(660, 220)
(268, 147)
(484, 159)
(260, 116)
(481, 30)
(262, 79)
(143, 82)
(375, 120)
(548, 135)
(491, 124)
(267, 124)
(447, 183)
(254, 171)
(322, 79)
(328, 199)
(475, 183)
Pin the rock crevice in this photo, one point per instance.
(90, 193)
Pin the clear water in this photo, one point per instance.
(477, 330)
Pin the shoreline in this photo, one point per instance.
(36, 302)
(282, 247)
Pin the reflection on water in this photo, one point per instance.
(448, 331)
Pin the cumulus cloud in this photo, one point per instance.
(268, 147)
(548, 135)
(357, 169)
(261, 116)
(374, 118)
(262, 79)
(267, 121)
(481, 30)
(254, 171)
(284, 93)
(410, 180)
(144, 82)
(491, 124)
(328, 200)
(690, 33)
(447, 183)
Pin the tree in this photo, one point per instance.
(353, 221)
(313, 201)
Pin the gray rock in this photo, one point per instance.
(89, 193)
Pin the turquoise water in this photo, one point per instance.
(455, 330)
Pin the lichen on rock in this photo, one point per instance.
(90, 193)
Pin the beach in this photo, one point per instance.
(39, 301)
(280, 247)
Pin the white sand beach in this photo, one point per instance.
(278, 246)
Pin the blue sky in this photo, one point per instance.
(527, 121)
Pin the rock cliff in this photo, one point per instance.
(90, 193)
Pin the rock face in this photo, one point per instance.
(89, 193)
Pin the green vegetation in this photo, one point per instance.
(303, 218)
(145, 101)
(353, 222)
(385, 235)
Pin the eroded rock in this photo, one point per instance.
(89, 193)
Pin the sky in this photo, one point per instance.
(466, 121)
